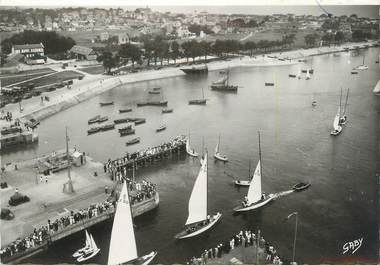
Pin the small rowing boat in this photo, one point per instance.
(269, 84)
(125, 110)
(127, 132)
(161, 128)
(107, 127)
(167, 110)
(102, 119)
(93, 130)
(133, 141)
(301, 186)
(94, 119)
(139, 121)
(106, 103)
(154, 92)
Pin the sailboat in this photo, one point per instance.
(123, 242)
(299, 74)
(307, 74)
(198, 220)
(79, 252)
(376, 90)
(189, 151)
(222, 84)
(198, 101)
(255, 197)
(362, 66)
(219, 156)
(336, 124)
(245, 182)
(343, 117)
(90, 252)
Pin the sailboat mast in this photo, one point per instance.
(261, 164)
(345, 104)
(68, 158)
(133, 172)
(203, 94)
(340, 103)
(206, 181)
(249, 169)
(219, 142)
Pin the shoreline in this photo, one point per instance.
(98, 84)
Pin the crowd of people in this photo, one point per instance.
(242, 239)
(118, 167)
(6, 116)
(141, 191)
(42, 235)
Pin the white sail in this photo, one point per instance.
(307, 74)
(123, 244)
(198, 197)
(217, 148)
(93, 244)
(88, 240)
(376, 90)
(254, 191)
(336, 120)
(220, 81)
(187, 145)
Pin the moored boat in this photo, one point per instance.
(154, 92)
(125, 110)
(292, 76)
(94, 119)
(269, 84)
(107, 127)
(222, 84)
(245, 182)
(198, 220)
(354, 72)
(127, 132)
(153, 103)
(195, 69)
(93, 130)
(198, 101)
(167, 110)
(133, 141)
(161, 128)
(218, 155)
(107, 103)
(139, 121)
(102, 119)
(124, 120)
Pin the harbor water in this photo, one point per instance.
(340, 206)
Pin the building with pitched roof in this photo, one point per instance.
(29, 50)
(82, 53)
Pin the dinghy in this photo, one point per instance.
(161, 128)
(123, 248)
(301, 186)
(202, 101)
(79, 252)
(245, 182)
(133, 141)
(189, 151)
(362, 66)
(90, 252)
(218, 155)
(198, 220)
(255, 197)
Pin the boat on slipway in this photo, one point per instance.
(198, 220)
(255, 197)
(122, 248)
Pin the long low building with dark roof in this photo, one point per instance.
(29, 50)
(82, 53)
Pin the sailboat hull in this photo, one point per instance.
(192, 153)
(337, 131)
(218, 156)
(144, 260)
(245, 183)
(256, 205)
(186, 234)
(84, 258)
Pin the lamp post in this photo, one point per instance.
(295, 235)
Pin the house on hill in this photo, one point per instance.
(29, 50)
(82, 53)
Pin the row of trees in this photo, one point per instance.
(156, 50)
(53, 42)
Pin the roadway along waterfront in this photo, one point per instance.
(296, 146)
